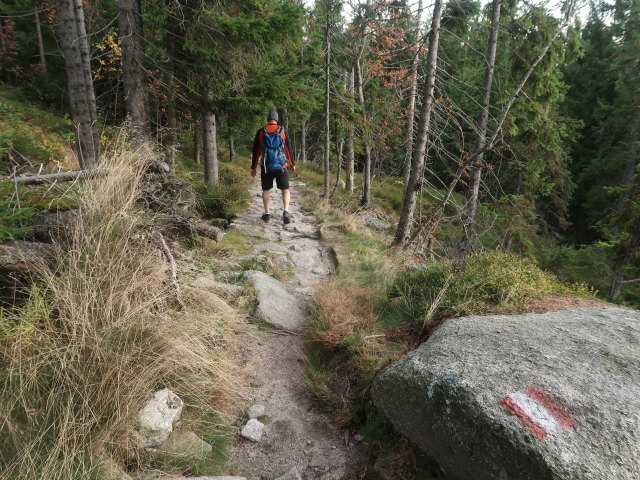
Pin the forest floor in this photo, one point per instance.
(298, 433)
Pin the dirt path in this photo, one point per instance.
(297, 433)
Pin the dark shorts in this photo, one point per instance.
(282, 179)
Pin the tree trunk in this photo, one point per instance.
(351, 133)
(412, 102)
(232, 149)
(340, 149)
(43, 58)
(82, 100)
(172, 124)
(196, 142)
(417, 161)
(133, 73)
(366, 174)
(303, 139)
(210, 148)
(470, 237)
(327, 139)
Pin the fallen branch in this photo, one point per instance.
(635, 280)
(174, 268)
(60, 177)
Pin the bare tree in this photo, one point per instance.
(303, 140)
(43, 58)
(350, 134)
(412, 101)
(327, 66)
(209, 137)
(418, 159)
(133, 72)
(82, 100)
(366, 174)
(470, 237)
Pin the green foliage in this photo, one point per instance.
(490, 280)
(222, 201)
(12, 220)
(27, 130)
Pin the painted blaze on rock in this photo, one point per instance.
(523, 397)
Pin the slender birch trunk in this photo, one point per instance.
(417, 162)
(82, 100)
(470, 237)
(412, 102)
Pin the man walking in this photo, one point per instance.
(272, 152)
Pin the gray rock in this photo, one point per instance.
(253, 430)
(46, 224)
(256, 410)
(461, 396)
(295, 248)
(282, 262)
(220, 222)
(185, 444)
(225, 290)
(276, 306)
(212, 478)
(246, 230)
(157, 417)
(22, 256)
(375, 220)
(292, 474)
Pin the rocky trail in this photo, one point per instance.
(297, 437)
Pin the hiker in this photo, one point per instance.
(271, 149)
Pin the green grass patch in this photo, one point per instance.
(28, 130)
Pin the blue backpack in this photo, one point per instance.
(273, 157)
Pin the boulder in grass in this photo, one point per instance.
(157, 418)
(185, 444)
(276, 306)
(523, 397)
(21, 256)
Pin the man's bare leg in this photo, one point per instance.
(265, 200)
(286, 196)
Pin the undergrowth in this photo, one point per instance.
(100, 332)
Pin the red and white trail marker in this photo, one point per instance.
(540, 413)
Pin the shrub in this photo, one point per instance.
(222, 201)
(11, 220)
(99, 333)
(494, 279)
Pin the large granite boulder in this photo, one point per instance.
(276, 306)
(523, 397)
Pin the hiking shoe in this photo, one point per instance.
(286, 218)
(265, 217)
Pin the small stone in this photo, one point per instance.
(220, 222)
(292, 474)
(253, 430)
(319, 271)
(295, 248)
(256, 410)
(358, 437)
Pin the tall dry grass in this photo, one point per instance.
(100, 333)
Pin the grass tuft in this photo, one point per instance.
(100, 332)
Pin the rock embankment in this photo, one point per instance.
(524, 397)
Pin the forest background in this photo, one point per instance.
(375, 97)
